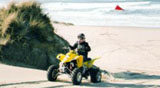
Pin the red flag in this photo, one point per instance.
(118, 8)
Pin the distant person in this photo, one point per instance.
(82, 47)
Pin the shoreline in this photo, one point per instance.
(72, 24)
(119, 26)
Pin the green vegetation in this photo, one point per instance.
(27, 36)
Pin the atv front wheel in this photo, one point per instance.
(76, 76)
(95, 75)
(52, 73)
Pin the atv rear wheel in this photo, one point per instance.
(76, 76)
(52, 73)
(95, 75)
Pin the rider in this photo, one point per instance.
(82, 46)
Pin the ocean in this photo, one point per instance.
(136, 13)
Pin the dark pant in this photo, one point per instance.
(86, 59)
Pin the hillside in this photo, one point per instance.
(27, 37)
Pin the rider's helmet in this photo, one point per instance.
(81, 36)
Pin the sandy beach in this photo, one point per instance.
(120, 48)
(130, 53)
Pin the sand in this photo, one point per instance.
(125, 48)
(130, 53)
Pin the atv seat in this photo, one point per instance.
(88, 59)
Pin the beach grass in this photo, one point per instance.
(27, 36)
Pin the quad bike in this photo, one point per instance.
(73, 65)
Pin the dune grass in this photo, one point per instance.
(27, 36)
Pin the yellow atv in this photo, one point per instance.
(73, 65)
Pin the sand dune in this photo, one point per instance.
(130, 54)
